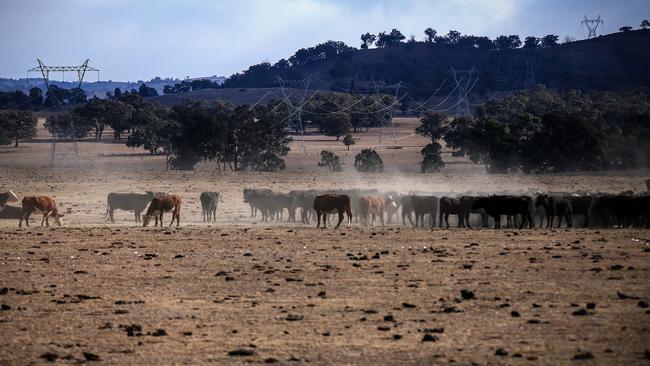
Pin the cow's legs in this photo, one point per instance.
(569, 220)
(110, 214)
(23, 215)
(318, 214)
(325, 220)
(340, 219)
(45, 219)
(381, 216)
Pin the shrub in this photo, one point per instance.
(330, 160)
(368, 160)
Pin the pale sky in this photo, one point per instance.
(138, 40)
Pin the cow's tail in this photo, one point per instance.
(108, 207)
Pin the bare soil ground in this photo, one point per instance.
(238, 291)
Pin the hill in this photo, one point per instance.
(611, 62)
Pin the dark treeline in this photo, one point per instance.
(612, 62)
(539, 131)
(242, 138)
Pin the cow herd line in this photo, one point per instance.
(434, 209)
(367, 206)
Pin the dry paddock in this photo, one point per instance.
(294, 295)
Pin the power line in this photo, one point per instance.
(592, 26)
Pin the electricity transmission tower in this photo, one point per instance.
(59, 155)
(463, 80)
(592, 25)
(530, 57)
(301, 88)
(387, 110)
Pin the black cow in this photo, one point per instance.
(252, 197)
(455, 206)
(135, 202)
(209, 204)
(407, 209)
(11, 212)
(559, 206)
(466, 203)
(332, 203)
(423, 205)
(496, 206)
(581, 205)
(303, 200)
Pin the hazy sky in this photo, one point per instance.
(132, 40)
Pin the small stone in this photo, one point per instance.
(429, 338)
(501, 352)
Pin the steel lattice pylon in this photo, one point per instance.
(58, 155)
(387, 111)
(463, 80)
(592, 26)
(301, 89)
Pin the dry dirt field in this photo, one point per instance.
(239, 291)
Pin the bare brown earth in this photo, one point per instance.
(296, 295)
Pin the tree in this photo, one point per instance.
(16, 125)
(330, 160)
(60, 125)
(432, 126)
(36, 95)
(531, 42)
(453, 37)
(367, 40)
(348, 140)
(368, 160)
(507, 42)
(391, 39)
(430, 33)
(431, 159)
(549, 40)
(338, 124)
(98, 113)
(154, 130)
(625, 28)
(146, 91)
(645, 24)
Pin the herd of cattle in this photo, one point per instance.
(365, 206)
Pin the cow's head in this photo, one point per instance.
(58, 217)
(541, 200)
(479, 202)
(390, 202)
(145, 220)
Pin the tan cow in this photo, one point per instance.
(40, 204)
(374, 206)
(332, 203)
(162, 204)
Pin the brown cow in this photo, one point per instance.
(332, 203)
(42, 204)
(162, 204)
(372, 206)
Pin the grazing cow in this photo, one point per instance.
(135, 202)
(496, 206)
(394, 208)
(332, 203)
(455, 206)
(555, 206)
(209, 203)
(423, 205)
(160, 205)
(40, 204)
(374, 206)
(407, 209)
